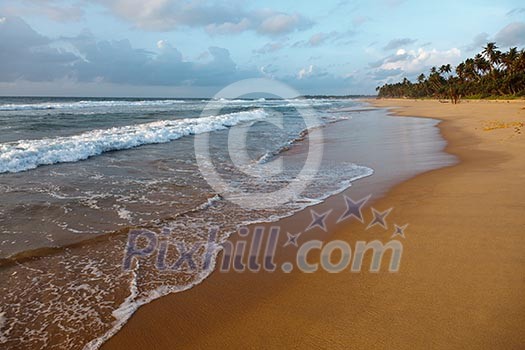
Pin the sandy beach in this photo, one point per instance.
(254, 175)
(461, 281)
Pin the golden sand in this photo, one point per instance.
(461, 283)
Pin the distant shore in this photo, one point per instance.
(461, 283)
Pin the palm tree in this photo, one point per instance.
(481, 64)
(460, 71)
(489, 73)
(446, 68)
(470, 69)
(509, 58)
(493, 55)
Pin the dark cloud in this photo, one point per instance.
(478, 42)
(27, 55)
(512, 34)
(516, 11)
(39, 63)
(397, 43)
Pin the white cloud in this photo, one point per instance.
(161, 44)
(278, 23)
(229, 27)
(214, 17)
(305, 72)
(413, 61)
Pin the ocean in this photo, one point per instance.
(77, 173)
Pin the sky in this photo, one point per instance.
(177, 48)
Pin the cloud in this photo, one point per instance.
(414, 62)
(512, 34)
(516, 11)
(312, 79)
(214, 17)
(269, 70)
(29, 56)
(315, 40)
(322, 38)
(118, 62)
(25, 54)
(397, 43)
(385, 74)
(305, 72)
(360, 20)
(229, 27)
(271, 47)
(275, 23)
(57, 10)
(394, 3)
(83, 64)
(478, 42)
(400, 55)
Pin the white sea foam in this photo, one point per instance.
(133, 302)
(85, 104)
(3, 322)
(29, 154)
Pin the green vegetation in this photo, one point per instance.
(490, 74)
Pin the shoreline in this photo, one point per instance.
(383, 310)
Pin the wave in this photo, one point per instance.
(29, 154)
(268, 156)
(86, 104)
(137, 295)
(133, 302)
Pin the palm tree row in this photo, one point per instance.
(490, 73)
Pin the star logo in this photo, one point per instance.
(400, 230)
(318, 220)
(292, 239)
(379, 218)
(353, 208)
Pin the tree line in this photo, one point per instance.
(491, 73)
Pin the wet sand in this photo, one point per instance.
(462, 276)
